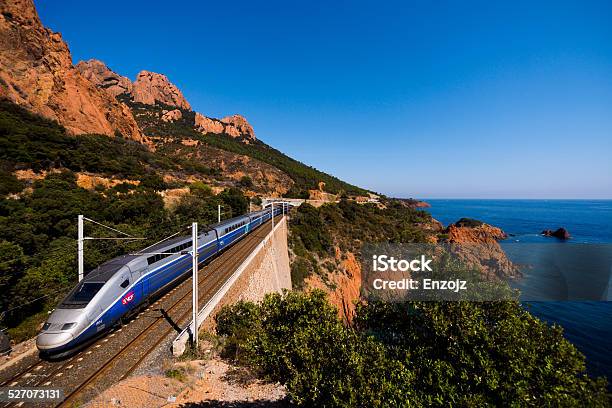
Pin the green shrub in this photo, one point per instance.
(409, 354)
(177, 374)
(154, 182)
(235, 200)
(309, 229)
(300, 270)
(246, 182)
(9, 183)
(468, 222)
(200, 189)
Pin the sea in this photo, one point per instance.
(587, 324)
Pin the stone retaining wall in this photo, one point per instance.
(266, 270)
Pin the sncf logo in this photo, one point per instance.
(128, 298)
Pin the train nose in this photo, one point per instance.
(47, 341)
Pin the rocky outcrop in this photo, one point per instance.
(413, 203)
(151, 88)
(171, 116)
(319, 195)
(478, 247)
(235, 126)
(240, 126)
(205, 124)
(103, 77)
(36, 72)
(560, 233)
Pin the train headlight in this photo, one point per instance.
(68, 326)
(46, 326)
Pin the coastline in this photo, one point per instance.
(586, 324)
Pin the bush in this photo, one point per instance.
(246, 182)
(309, 230)
(9, 183)
(298, 340)
(412, 354)
(154, 182)
(177, 373)
(200, 189)
(300, 270)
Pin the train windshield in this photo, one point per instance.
(83, 294)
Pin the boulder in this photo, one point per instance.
(171, 116)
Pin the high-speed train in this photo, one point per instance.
(123, 285)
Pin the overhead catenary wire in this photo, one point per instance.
(162, 240)
(111, 228)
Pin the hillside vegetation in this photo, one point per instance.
(417, 354)
(38, 219)
(305, 177)
(315, 233)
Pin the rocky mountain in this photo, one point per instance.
(36, 71)
(235, 126)
(151, 88)
(103, 77)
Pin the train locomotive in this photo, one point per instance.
(120, 287)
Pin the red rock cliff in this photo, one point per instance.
(478, 246)
(36, 72)
(103, 77)
(151, 87)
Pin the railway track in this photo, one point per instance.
(127, 357)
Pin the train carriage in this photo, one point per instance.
(125, 284)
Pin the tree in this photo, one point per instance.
(234, 199)
(9, 183)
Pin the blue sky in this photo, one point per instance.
(414, 99)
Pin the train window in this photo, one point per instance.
(85, 292)
(125, 283)
(155, 258)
